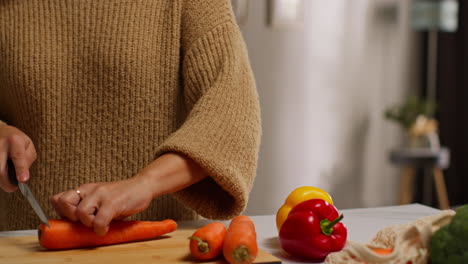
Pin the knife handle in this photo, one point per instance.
(12, 173)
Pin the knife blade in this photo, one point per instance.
(27, 193)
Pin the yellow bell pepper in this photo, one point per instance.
(298, 196)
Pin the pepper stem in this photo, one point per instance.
(327, 226)
(203, 246)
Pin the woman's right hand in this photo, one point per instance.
(17, 146)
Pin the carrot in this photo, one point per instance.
(382, 251)
(206, 243)
(65, 234)
(240, 243)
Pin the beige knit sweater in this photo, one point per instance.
(103, 87)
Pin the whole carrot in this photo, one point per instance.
(240, 243)
(65, 234)
(206, 243)
(382, 251)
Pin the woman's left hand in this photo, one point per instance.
(97, 204)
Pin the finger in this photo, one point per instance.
(54, 201)
(87, 209)
(17, 149)
(103, 218)
(5, 183)
(66, 203)
(31, 154)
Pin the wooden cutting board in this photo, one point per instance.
(169, 249)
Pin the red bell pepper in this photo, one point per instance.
(312, 230)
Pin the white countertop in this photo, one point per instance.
(362, 224)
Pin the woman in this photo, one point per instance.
(144, 108)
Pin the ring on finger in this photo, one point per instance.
(79, 193)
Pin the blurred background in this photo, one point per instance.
(342, 84)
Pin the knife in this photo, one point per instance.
(24, 188)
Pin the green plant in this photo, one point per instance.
(407, 113)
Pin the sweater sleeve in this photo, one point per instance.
(222, 130)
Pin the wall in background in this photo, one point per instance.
(323, 89)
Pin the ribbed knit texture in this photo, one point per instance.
(105, 87)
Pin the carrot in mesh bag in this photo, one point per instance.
(407, 243)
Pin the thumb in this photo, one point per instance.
(18, 155)
(22, 171)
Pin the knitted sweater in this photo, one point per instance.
(105, 87)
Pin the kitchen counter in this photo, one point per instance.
(362, 225)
